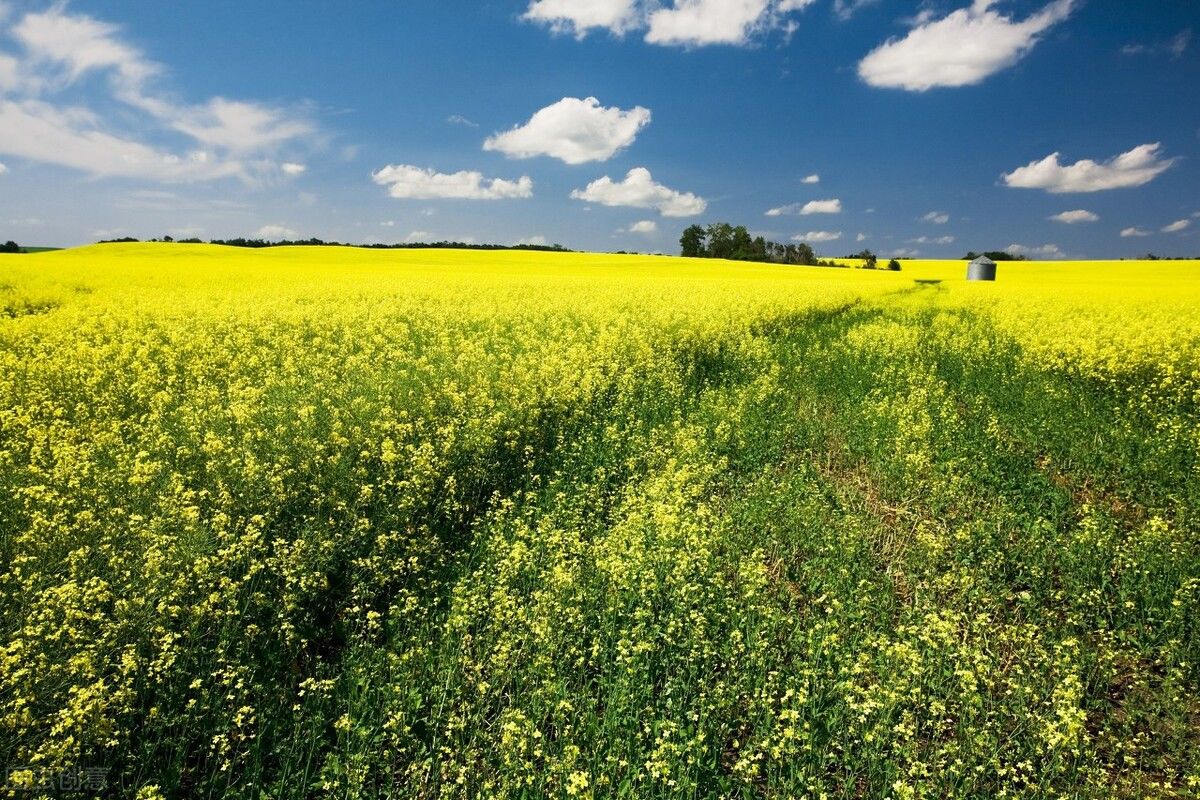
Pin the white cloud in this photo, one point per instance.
(936, 217)
(1130, 232)
(932, 240)
(1179, 44)
(578, 17)
(292, 168)
(72, 137)
(905, 253)
(814, 178)
(79, 44)
(862, 237)
(1177, 226)
(538, 241)
(3, 168)
(574, 131)
(459, 119)
(417, 236)
(1046, 250)
(10, 73)
(687, 23)
(646, 226)
(1176, 46)
(61, 48)
(1137, 167)
(407, 182)
(818, 236)
(708, 22)
(805, 209)
(388, 223)
(275, 232)
(639, 190)
(1075, 217)
(845, 9)
(960, 49)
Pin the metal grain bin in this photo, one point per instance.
(981, 269)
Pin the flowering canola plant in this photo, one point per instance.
(425, 523)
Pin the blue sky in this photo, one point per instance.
(906, 126)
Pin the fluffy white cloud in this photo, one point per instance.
(574, 131)
(1046, 250)
(1075, 217)
(818, 236)
(686, 23)
(933, 240)
(292, 168)
(578, 17)
(862, 237)
(646, 226)
(275, 232)
(1139, 166)
(821, 207)
(1131, 232)
(233, 138)
(960, 49)
(639, 190)
(936, 217)
(407, 182)
(902, 252)
(1177, 226)
(805, 209)
(814, 178)
(539, 241)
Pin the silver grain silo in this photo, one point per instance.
(981, 269)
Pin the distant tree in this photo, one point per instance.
(720, 240)
(692, 242)
(804, 255)
(894, 265)
(869, 259)
(10, 247)
(996, 255)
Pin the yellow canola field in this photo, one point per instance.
(213, 459)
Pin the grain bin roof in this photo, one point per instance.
(983, 260)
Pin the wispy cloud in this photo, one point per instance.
(59, 49)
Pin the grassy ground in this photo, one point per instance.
(438, 524)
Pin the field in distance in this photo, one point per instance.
(439, 523)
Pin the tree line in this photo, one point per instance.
(10, 247)
(722, 240)
(314, 242)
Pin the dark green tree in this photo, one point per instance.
(692, 242)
